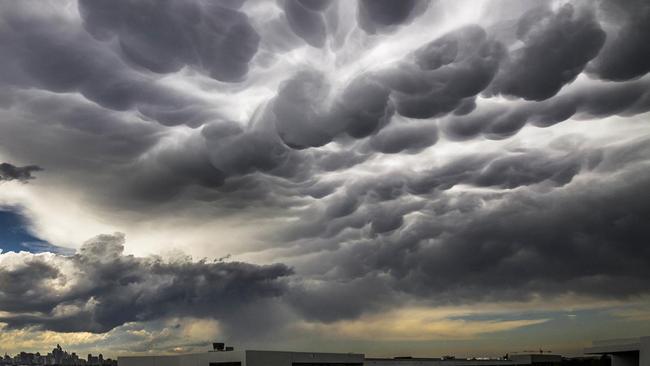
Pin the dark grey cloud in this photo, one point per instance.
(539, 245)
(410, 137)
(384, 15)
(321, 301)
(306, 19)
(31, 276)
(339, 160)
(382, 204)
(212, 37)
(445, 74)
(299, 115)
(95, 134)
(46, 52)
(306, 114)
(440, 77)
(10, 172)
(555, 48)
(106, 288)
(155, 168)
(239, 151)
(625, 54)
(577, 238)
(599, 100)
(201, 110)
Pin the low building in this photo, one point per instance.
(417, 361)
(514, 360)
(231, 357)
(537, 359)
(247, 358)
(624, 352)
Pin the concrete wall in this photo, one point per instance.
(204, 359)
(625, 359)
(438, 362)
(277, 358)
(246, 358)
(148, 361)
(536, 358)
(644, 352)
(194, 359)
(624, 352)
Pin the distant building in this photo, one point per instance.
(624, 352)
(621, 352)
(58, 357)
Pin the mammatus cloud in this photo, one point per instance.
(466, 246)
(556, 47)
(307, 19)
(395, 154)
(214, 37)
(625, 55)
(445, 74)
(10, 172)
(380, 16)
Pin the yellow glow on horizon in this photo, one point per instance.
(416, 324)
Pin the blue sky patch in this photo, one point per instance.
(15, 235)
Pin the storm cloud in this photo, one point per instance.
(382, 15)
(165, 37)
(468, 246)
(100, 287)
(534, 73)
(626, 52)
(388, 153)
(10, 172)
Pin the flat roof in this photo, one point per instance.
(242, 352)
(440, 361)
(614, 346)
(432, 359)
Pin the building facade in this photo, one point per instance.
(514, 360)
(281, 358)
(247, 358)
(624, 352)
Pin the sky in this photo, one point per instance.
(411, 177)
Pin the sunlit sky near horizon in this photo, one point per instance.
(389, 177)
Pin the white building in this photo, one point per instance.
(247, 358)
(281, 358)
(513, 360)
(624, 352)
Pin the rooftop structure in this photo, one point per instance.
(247, 358)
(227, 356)
(624, 352)
(520, 359)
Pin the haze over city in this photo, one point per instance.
(466, 177)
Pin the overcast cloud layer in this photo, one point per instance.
(332, 161)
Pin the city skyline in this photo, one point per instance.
(58, 356)
(411, 177)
